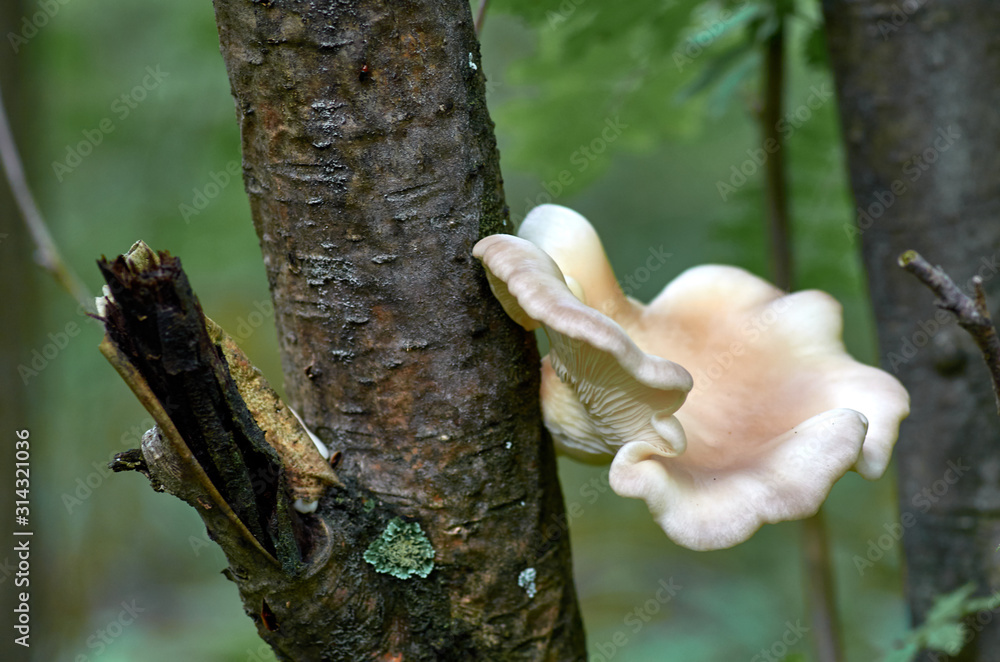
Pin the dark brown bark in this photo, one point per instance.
(918, 93)
(371, 167)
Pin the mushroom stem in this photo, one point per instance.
(972, 314)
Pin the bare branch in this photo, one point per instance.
(47, 253)
(481, 16)
(972, 314)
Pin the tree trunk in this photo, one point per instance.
(372, 170)
(918, 94)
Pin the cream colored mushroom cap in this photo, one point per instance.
(778, 413)
(617, 392)
(787, 477)
(779, 410)
(764, 361)
(571, 241)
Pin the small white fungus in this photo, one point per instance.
(304, 507)
(526, 580)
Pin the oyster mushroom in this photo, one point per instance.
(611, 390)
(778, 410)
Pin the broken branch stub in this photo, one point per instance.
(226, 444)
(224, 441)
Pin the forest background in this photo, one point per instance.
(648, 126)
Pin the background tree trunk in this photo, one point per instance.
(918, 94)
(372, 170)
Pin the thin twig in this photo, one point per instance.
(481, 16)
(972, 314)
(46, 253)
(820, 589)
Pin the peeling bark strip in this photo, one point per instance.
(918, 95)
(372, 170)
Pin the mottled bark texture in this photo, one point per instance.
(918, 90)
(372, 170)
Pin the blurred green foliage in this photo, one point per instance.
(944, 629)
(611, 108)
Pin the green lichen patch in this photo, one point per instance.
(401, 551)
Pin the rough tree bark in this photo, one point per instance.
(372, 170)
(918, 93)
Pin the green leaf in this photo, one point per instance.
(946, 637)
(715, 69)
(951, 606)
(743, 16)
(743, 70)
